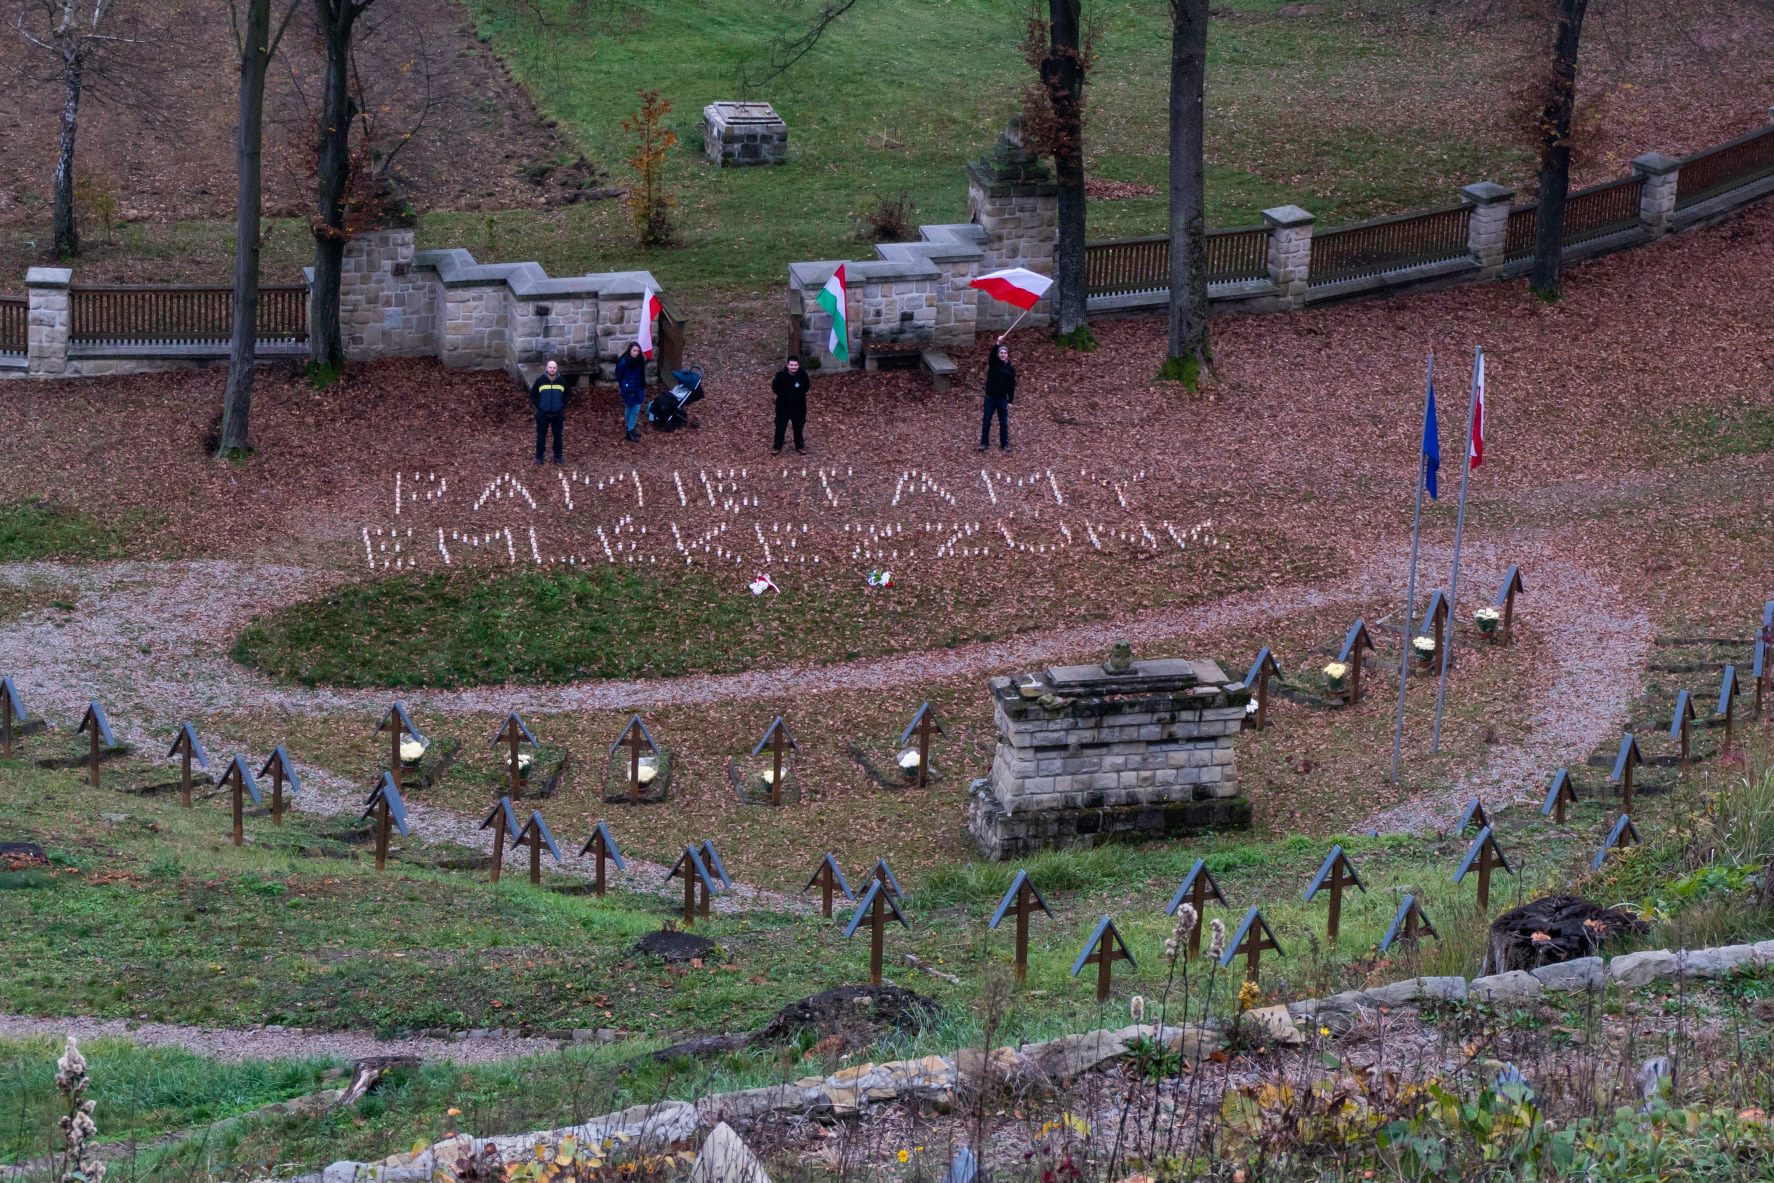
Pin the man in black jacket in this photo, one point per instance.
(791, 386)
(548, 395)
(1000, 393)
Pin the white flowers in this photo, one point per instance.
(1250, 708)
(1423, 645)
(1336, 671)
(908, 759)
(647, 770)
(523, 762)
(769, 775)
(78, 1127)
(1484, 615)
(411, 750)
(762, 583)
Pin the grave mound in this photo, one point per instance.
(1567, 927)
(844, 1018)
(674, 946)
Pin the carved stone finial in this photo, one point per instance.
(1120, 659)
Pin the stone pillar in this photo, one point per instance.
(1488, 229)
(385, 306)
(50, 321)
(1656, 201)
(1087, 754)
(1012, 196)
(1290, 251)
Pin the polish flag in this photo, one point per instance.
(1014, 285)
(649, 313)
(1477, 451)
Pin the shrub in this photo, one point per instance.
(648, 200)
(893, 219)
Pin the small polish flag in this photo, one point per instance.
(649, 313)
(1014, 285)
(1478, 411)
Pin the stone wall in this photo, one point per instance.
(384, 309)
(1087, 756)
(1013, 206)
(942, 1082)
(394, 301)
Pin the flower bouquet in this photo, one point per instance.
(880, 578)
(1425, 648)
(1487, 619)
(761, 583)
(1337, 674)
(411, 752)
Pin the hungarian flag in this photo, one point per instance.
(836, 301)
(1014, 285)
(649, 313)
(1478, 410)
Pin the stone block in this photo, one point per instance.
(1582, 973)
(1510, 986)
(1632, 970)
(1715, 963)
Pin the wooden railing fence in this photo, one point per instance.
(1389, 244)
(15, 314)
(1731, 164)
(1601, 210)
(1127, 265)
(184, 314)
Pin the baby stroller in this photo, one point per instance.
(669, 411)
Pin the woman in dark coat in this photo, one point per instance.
(631, 380)
(1000, 393)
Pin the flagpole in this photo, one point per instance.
(1014, 323)
(1410, 587)
(1447, 643)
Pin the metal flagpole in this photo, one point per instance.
(1410, 587)
(1447, 643)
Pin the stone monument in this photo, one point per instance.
(1123, 751)
(744, 133)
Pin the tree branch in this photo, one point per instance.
(785, 52)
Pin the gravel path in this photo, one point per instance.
(156, 652)
(1598, 645)
(264, 1043)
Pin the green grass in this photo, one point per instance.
(859, 132)
(35, 530)
(544, 627)
(1733, 431)
(151, 913)
(140, 1091)
(1326, 111)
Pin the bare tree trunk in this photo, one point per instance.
(66, 242)
(1063, 74)
(1555, 152)
(337, 19)
(1189, 350)
(255, 61)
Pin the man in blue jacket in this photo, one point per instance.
(549, 397)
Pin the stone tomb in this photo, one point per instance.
(1089, 754)
(744, 133)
